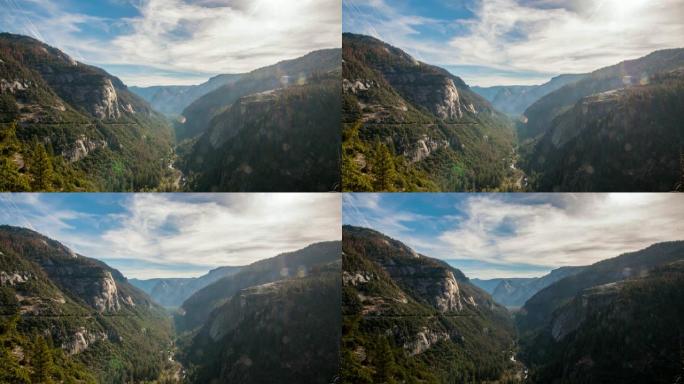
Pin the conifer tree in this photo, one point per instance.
(41, 169)
(383, 168)
(42, 362)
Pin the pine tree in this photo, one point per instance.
(385, 365)
(383, 168)
(41, 169)
(42, 362)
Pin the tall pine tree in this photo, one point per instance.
(41, 169)
(42, 362)
(383, 168)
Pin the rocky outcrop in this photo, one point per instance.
(423, 340)
(13, 278)
(571, 316)
(81, 340)
(423, 147)
(81, 148)
(433, 283)
(13, 86)
(433, 91)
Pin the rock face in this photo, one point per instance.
(634, 127)
(81, 148)
(639, 316)
(418, 305)
(278, 140)
(81, 340)
(198, 307)
(285, 331)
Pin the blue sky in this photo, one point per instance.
(507, 42)
(161, 42)
(176, 235)
(519, 235)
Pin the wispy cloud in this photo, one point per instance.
(199, 37)
(505, 234)
(179, 234)
(542, 37)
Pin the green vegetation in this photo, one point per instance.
(396, 136)
(29, 358)
(285, 332)
(53, 295)
(388, 311)
(639, 316)
(55, 138)
(285, 140)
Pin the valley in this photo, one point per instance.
(412, 126)
(68, 318)
(411, 318)
(69, 126)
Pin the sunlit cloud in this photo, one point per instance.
(179, 234)
(546, 37)
(521, 235)
(201, 38)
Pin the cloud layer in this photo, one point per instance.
(521, 235)
(152, 235)
(530, 39)
(198, 37)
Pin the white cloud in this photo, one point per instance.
(539, 230)
(200, 37)
(204, 230)
(543, 37)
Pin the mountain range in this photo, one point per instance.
(276, 320)
(614, 130)
(514, 292)
(410, 318)
(68, 126)
(172, 292)
(73, 127)
(411, 126)
(171, 100)
(571, 330)
(69, 318)
(515, 99)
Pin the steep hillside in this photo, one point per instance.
(630, 139)
(92, 322)
(540, 308)
(286, 331)
(287, 139)
(515, 99)
(631, 304)
(199, 115)
(197, 309)
(413, 126)
(171, 100)
(514, 292)
(65, 125)
(410, 318)
(625, 74)
(172, 292)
